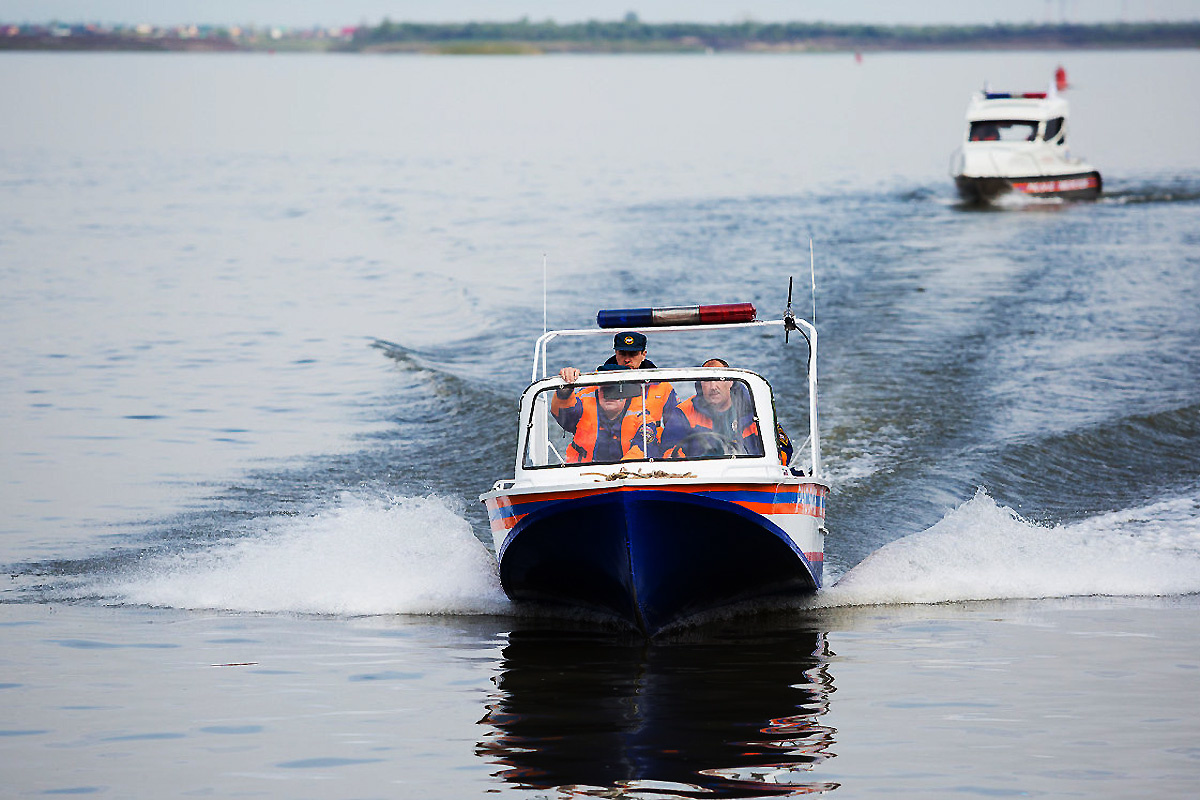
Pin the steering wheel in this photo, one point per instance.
(706, 444)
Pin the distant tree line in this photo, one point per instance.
(633, 33)
(626, 35)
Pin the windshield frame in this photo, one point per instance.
(535, 419)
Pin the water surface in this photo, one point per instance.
(266, 320)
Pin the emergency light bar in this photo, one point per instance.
(1011, 95)
(676, 315)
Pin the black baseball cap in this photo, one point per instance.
(615, 390)
(631, 341)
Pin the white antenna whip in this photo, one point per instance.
(812, 269)
(543, 294)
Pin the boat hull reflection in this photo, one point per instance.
(598, 714)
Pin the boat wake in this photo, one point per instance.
(1159, 189)
(365, 556)
(1013, 201)
(983, 551)
(362, 556)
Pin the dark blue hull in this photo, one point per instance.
(651, 558)
(1080, 186)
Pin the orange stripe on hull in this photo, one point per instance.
(502, 517)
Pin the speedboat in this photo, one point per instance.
(1016, 144)
(672, 527)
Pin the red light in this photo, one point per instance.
(727, 312)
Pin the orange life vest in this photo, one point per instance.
(657, 395)
(583, 446)
(698, 419)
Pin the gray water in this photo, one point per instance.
(266, 319)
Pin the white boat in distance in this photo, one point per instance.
(669, 528)
(1017, 144)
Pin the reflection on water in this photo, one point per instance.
(729, 714)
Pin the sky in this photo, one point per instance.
(330, 13)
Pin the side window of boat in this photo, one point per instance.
(546, 440)
(1053, 129)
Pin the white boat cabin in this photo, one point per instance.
(1035, 117)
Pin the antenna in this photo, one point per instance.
(543, 294)
(812, 268)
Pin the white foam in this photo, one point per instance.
(362, 556)
(1015, 199)
(983, 551)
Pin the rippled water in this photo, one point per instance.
(266, 320)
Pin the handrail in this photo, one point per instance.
(809, 331)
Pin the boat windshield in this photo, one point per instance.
(1003, 130)
(631, 421)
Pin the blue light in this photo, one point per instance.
(625, 318)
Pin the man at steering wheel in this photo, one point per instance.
(718, 421)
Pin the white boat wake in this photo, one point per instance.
(417, 555)
(983, 551)
(363, 556)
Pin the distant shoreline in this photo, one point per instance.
(626, 36)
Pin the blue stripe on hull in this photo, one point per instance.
(649, 557)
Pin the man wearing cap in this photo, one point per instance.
(629, 351)
(608, 421)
